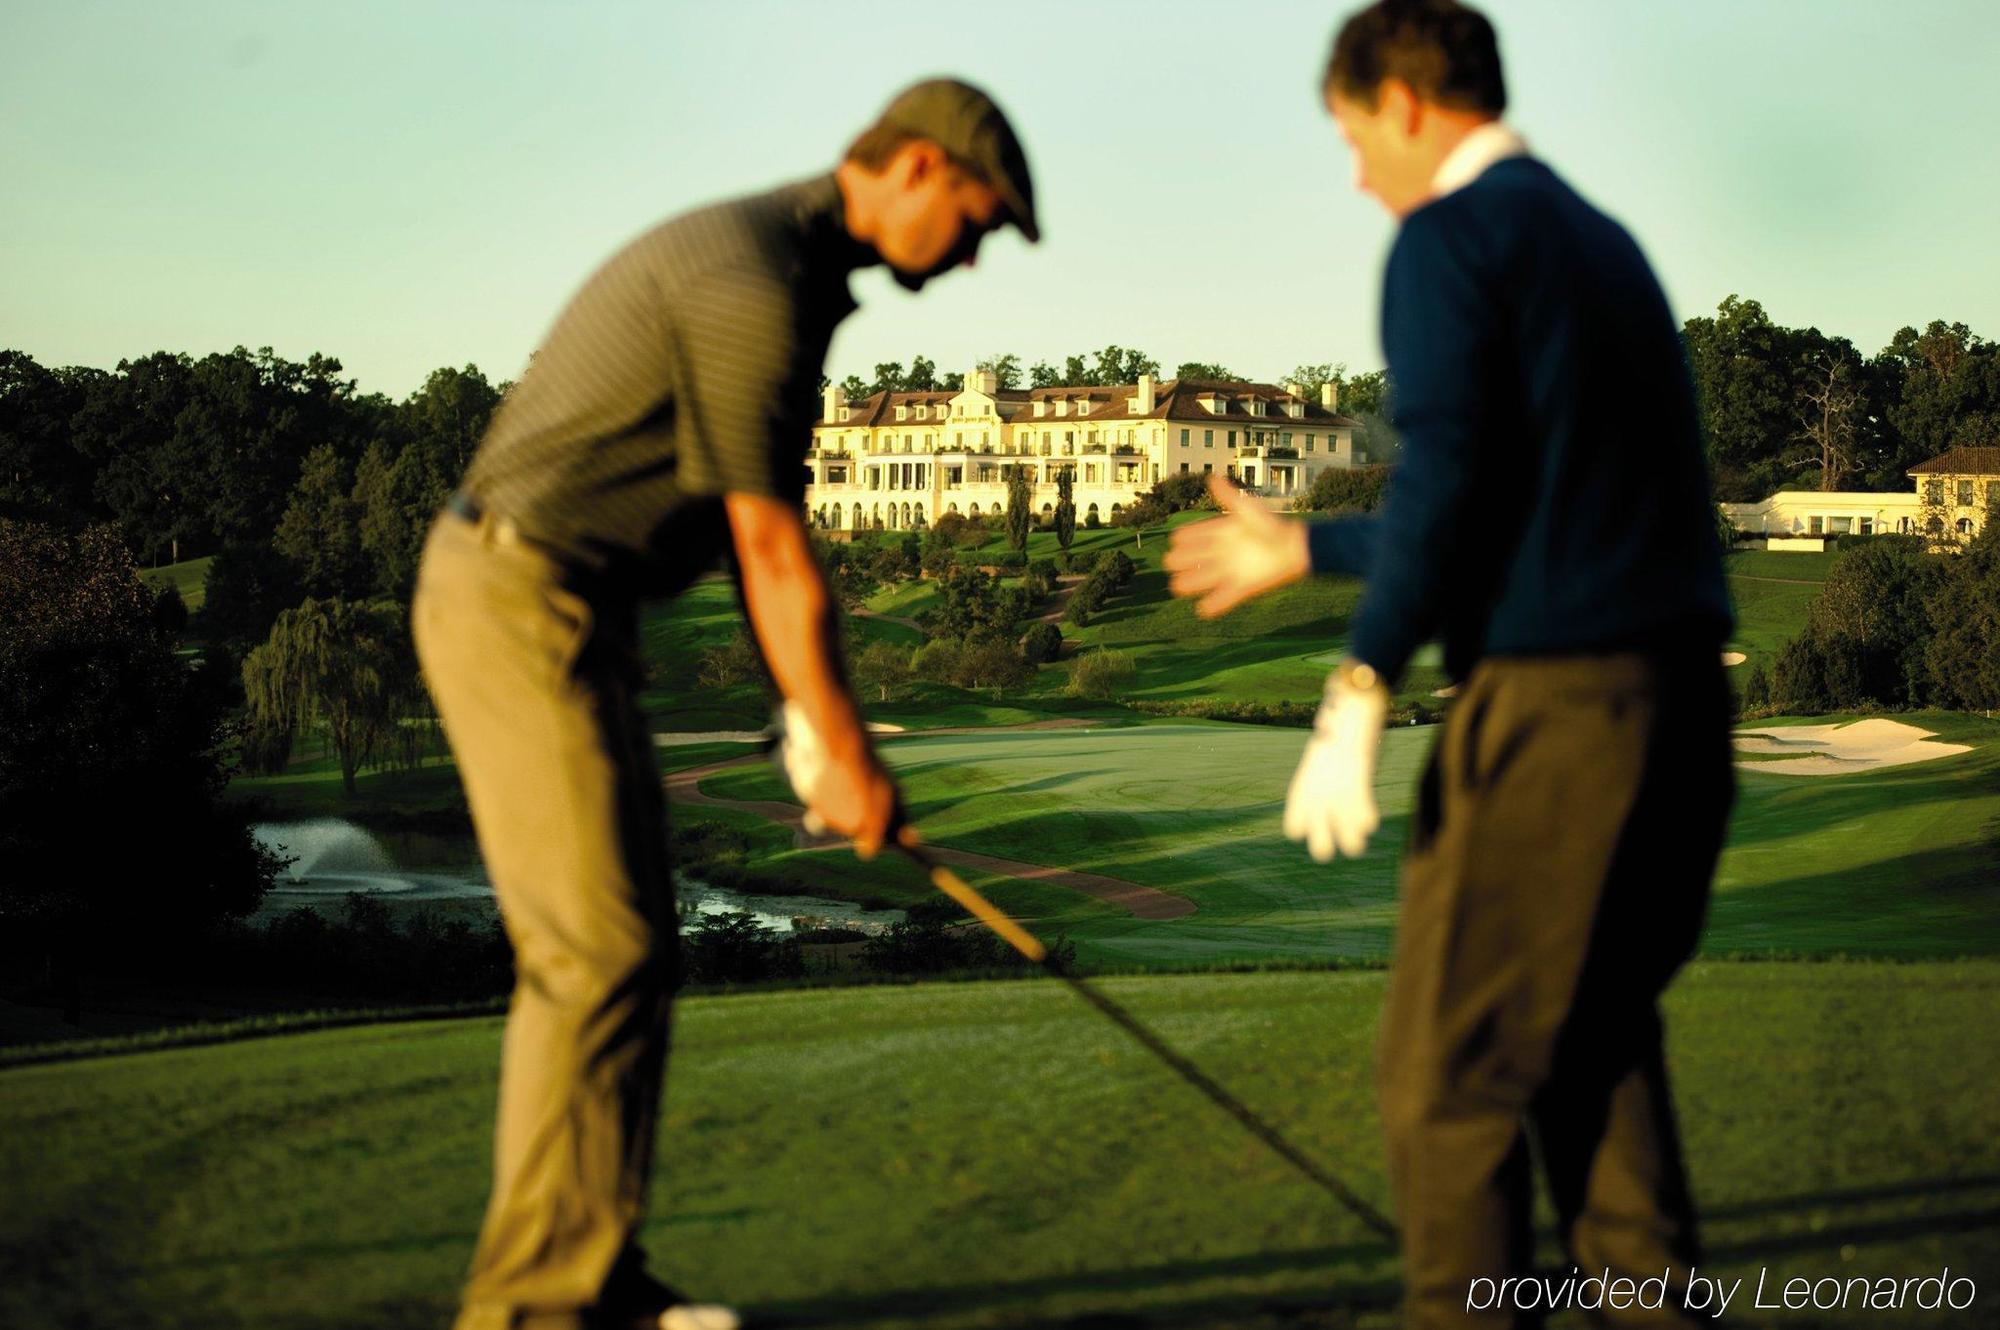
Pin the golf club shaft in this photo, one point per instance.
(1024, 942)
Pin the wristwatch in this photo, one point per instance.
(1359, 675)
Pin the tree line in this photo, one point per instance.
(1795, 408)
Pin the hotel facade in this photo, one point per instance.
(900, 460)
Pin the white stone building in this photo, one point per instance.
(903, 459)
(1949, 501)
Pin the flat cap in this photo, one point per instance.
(970, 126)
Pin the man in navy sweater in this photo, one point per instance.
(1549, 520)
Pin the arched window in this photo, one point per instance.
(919, 522)
(1091, 511)
(975, 510)
(1116, 509)
(1935, 526)
(857, 517)
(1964, 526)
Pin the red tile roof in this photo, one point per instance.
(1961, 462)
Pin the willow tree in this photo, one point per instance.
(342, 667)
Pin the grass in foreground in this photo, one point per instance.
(977, 1155)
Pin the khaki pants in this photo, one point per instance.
(536, 687)
(1557, 876)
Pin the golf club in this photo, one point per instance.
(1030, 947)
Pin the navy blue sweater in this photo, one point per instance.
(1551, 497)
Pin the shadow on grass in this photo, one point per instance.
(1328, 1298)
(1943, 902)
(952, 1300)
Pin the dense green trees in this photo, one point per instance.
(111, 760)
(1794, 408)
(1895, 626)
(280, 468)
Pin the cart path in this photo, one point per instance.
(1141, 902)
(863, 612)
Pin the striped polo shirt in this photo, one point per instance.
(686, 368)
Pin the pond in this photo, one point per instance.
(333, 857)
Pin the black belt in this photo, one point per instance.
(591, 582)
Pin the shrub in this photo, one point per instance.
(1011, 560)
(934, 937)
(1100, 674)
(1798, 681)
(1117, 566)
(733, 948)
(1346, 490)
(1041, 643)
(1756, 688)
(170, 613)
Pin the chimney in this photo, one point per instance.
(1294, 389)
(1329, 395)
(1143, 403)
(985, 381)
(832, 400)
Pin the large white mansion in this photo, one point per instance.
(903, 459)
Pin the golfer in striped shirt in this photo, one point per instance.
(662, 425)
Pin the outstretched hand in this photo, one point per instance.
(1244, 553)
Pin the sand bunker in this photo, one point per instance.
(1732, 658)
(1835, 750)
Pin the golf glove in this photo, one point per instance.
(1331, 803)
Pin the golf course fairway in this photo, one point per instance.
(1898, 861)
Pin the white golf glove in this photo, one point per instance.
(1331, 803)
(804, 760)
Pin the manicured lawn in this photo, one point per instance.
(1772, 595)
(1897, 861)
(189, 577)
(978, 1155)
